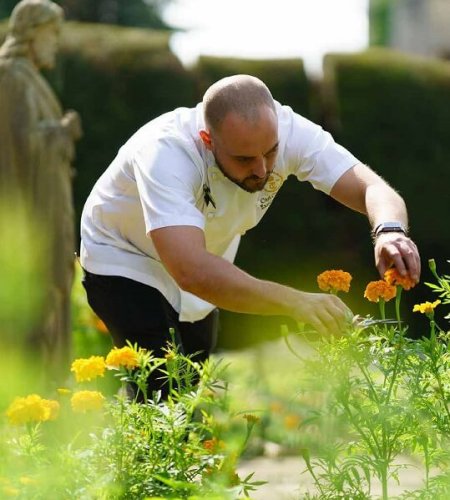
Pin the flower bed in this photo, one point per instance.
(351, 408)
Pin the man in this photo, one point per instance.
(162, 225)
(37, 147)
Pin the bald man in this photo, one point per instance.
(162, 225)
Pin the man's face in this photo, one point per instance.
(245, 151)
(44, 45)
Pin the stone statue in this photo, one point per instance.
(36, 151)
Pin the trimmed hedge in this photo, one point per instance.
(117, 79)
(393, 112)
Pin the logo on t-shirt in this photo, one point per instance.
(271, 188)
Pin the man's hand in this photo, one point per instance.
(326, 313)
(396, 249)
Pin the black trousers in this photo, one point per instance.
(140, 314)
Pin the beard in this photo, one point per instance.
(251, 184)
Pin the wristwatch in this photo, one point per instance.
(389, 227)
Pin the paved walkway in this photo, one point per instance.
(286, 481)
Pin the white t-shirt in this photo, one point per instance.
(158, 179)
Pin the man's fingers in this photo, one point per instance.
(325, 313)
(332, 319)
(400, 252)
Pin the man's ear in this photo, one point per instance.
(205, 136)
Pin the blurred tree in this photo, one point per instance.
(141, 13)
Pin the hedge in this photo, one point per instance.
(117, 79)
(393, 112)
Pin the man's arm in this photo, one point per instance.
(363, 190)
(212, 278)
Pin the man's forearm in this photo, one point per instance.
(384, 204)
(214, 279)
(228, 287)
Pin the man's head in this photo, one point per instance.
(241, 130)
(36, 23)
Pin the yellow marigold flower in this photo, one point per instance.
(125, 356)
(376, 290)
(334, 281)
(426, 307)
(88, 368)
(31, 408)
(53, 408)
(83, 401)
(393, 277)
(291, 421)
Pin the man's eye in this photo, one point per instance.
(244, 159)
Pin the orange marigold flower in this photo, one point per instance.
(393, 277)
(426, 307)
(213, 445)
(32, 408)
(376, 290)
(125, 356)
(88, 368)
(83, 401)
(334, 281)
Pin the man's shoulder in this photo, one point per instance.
(174, 132)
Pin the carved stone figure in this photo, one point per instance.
(36, 150)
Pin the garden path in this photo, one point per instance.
(285, 480)
(284, 473)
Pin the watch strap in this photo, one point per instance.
(389, 227)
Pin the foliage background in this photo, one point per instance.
(391, 110)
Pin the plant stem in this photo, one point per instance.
(384, 481)
(397, 304)
(382, 304)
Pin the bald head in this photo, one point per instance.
(244, 95)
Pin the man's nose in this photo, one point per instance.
(260, 168)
